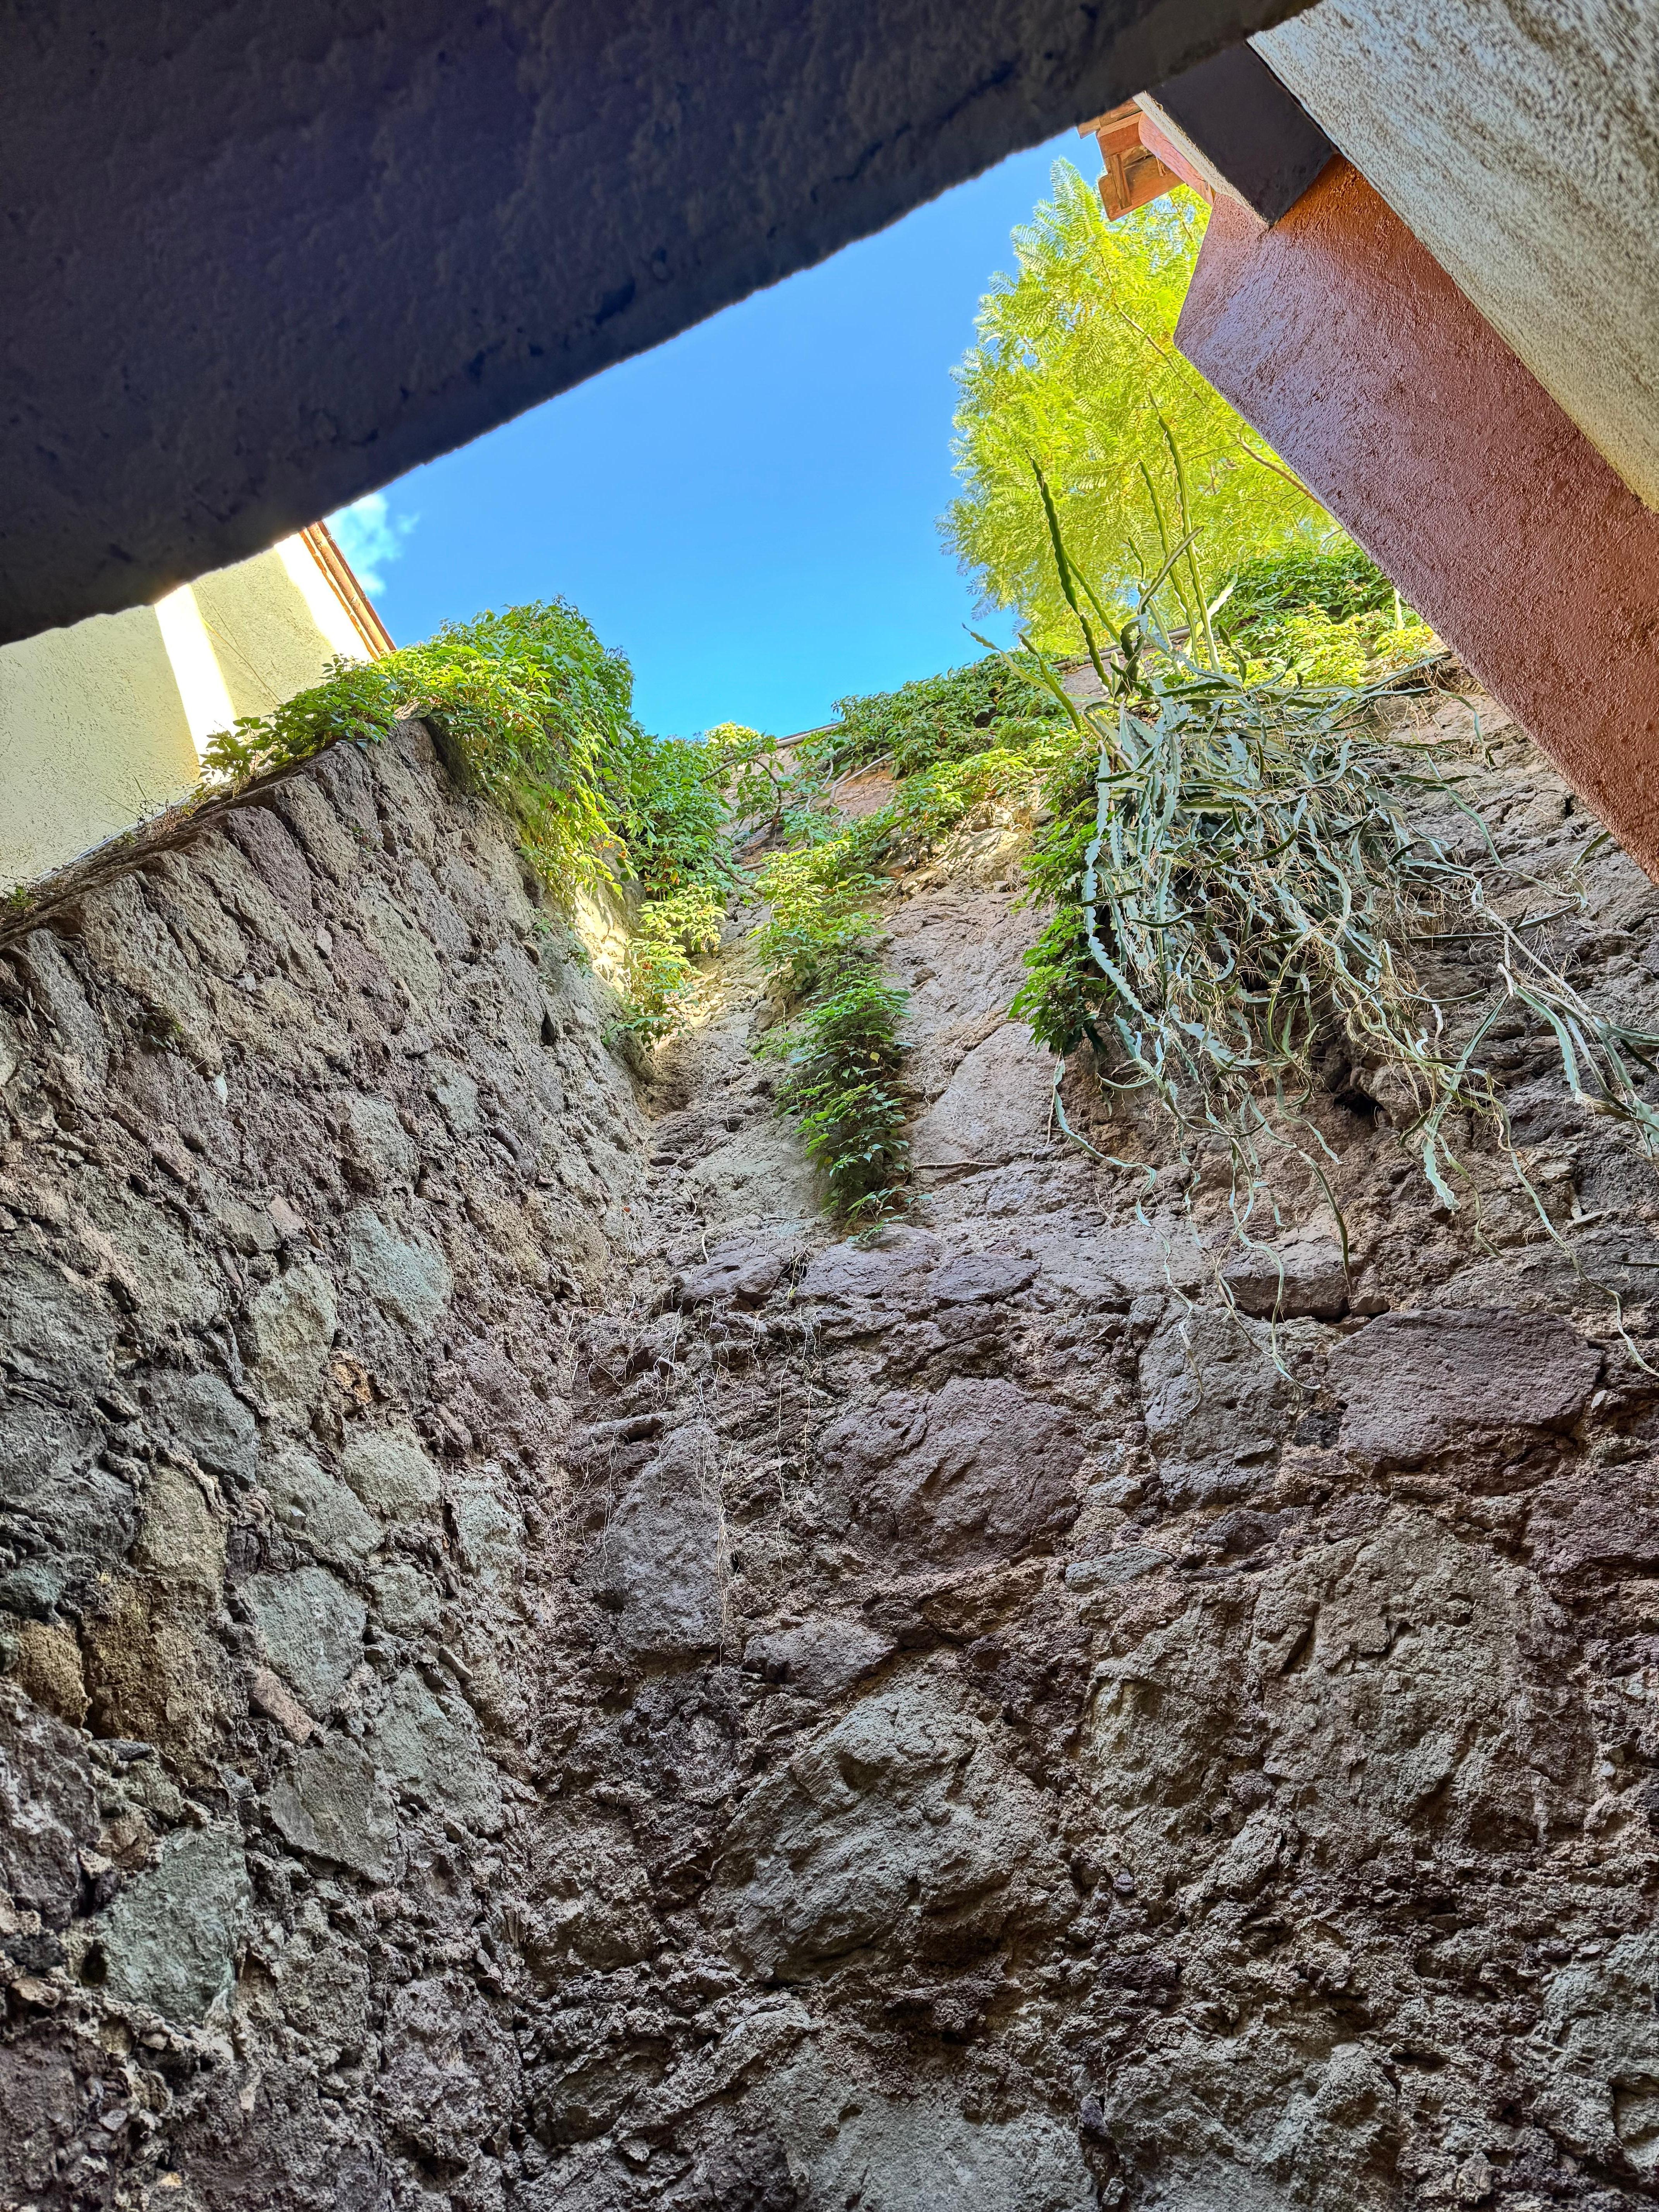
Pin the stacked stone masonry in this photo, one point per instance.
(540, 1678)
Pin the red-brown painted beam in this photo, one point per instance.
(1355, 356)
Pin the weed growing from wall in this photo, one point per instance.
(673, 823)
(949, 741)
(841, 1057)
(842, 1083)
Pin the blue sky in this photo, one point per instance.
(749, 511)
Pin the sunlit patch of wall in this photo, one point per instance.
(103, 724)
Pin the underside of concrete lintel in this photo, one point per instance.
(261, 261)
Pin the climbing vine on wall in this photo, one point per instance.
(534, 713)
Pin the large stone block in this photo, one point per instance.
(54, 1333)
(311, 1503)
(406, 1275)
(1217, 1406)
(155, 1671)
(210, 1420)
(48, 1810)
(901, 1812)
(1593, 2060)
(312, 1628)
(1418, 1381)
(980, 1470)
(181, 1538)
(170, 1938)
(390, 1474)
(380, 1151)
(80, 1517)
(405, 1600)
(994, 1107)
(918, 2152)
(657, 1567)
(291, 1326)
(1399, 1684)
(430, 1751)
(333, 1803)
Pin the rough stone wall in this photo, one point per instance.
(313, 1149)
(541, 1678)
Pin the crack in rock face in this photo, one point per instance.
(538, 1675)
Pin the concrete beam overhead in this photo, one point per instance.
(260, 260)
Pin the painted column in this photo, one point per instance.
(1346, 345)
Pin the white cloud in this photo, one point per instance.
(370, 535)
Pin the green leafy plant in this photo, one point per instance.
(819, 919)
(841, 1082)
(1341, 580)
(1076, 366)
(672, 818)
(534, 713)
(933, 719)
(1329, 617)
(673, 822)
(770, 792)
(842, 1057)
(821, 940)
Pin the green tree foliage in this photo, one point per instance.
(1076, 370)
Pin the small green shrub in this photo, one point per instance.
(820, 941)
(767, 790)
(1339, 579)
(841, 1082)
(672, 818)
(1327, 616)
(534, 713)
(673, 822)
(936, 719)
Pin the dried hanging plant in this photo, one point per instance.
(1241, 887)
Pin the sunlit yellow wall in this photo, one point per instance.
(92, 737)
(100, 724)
(263, 636)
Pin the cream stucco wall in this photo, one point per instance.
(264, 633)
(92, 737)
(1519, 141)
(101, 724)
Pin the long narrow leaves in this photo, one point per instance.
(1242, 898)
